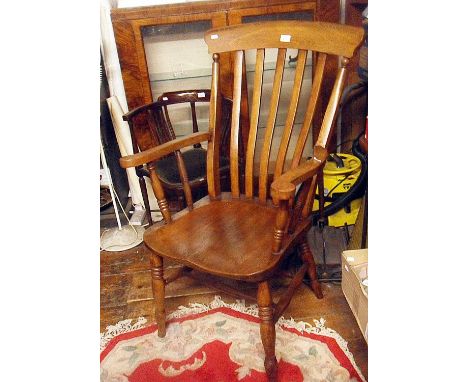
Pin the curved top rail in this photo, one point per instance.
(337, 39)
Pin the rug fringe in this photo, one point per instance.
(124, 326)
(239, 306)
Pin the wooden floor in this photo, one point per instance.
(126, 293)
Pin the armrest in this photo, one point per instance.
(284, 187)
(163, 150)
(127, 116)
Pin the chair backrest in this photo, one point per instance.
(192, 97)
(184, 96)
(154, 121)
(155, 116)
(323, 39)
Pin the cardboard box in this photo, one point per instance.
(355, 284)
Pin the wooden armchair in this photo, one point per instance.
(240, 235)
(155, 117)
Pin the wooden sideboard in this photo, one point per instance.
(131, 24)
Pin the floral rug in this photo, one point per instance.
(220, 343)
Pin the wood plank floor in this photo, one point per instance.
(126, 293)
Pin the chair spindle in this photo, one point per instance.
(159, 192)
(194, 122)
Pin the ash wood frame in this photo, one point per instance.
(292, 211)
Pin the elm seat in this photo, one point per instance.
(195, 163)
(244, 238)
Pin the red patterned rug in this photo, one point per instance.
(219, 343)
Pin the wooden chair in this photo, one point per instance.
(156, 118)
(239, 235)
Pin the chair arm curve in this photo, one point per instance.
(128, 116)
(284, 187)
(160, 151)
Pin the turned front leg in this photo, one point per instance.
(158, 285)
(267, 330)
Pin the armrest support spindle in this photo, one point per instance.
(159, 193)
(281, 223)
(283, 190)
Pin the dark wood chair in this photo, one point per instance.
(240, 235)
(155, 117)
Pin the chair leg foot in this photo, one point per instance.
(307, 257)
(317, 289)
(158, 285)
(267, 330)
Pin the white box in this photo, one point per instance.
(355, 284)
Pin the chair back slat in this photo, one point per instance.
(154, 126)
(132, 134)
(157, 123)
(194, 117)
(236, 102)
(332, 107)
(270, 126)
(254, 116)
(167, 121)
(291, 116)
(324, 135)
(212, 155)
(194, 122)
(310, 111)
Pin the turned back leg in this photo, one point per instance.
(267, 330)
(306, 256)
(158, 285)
